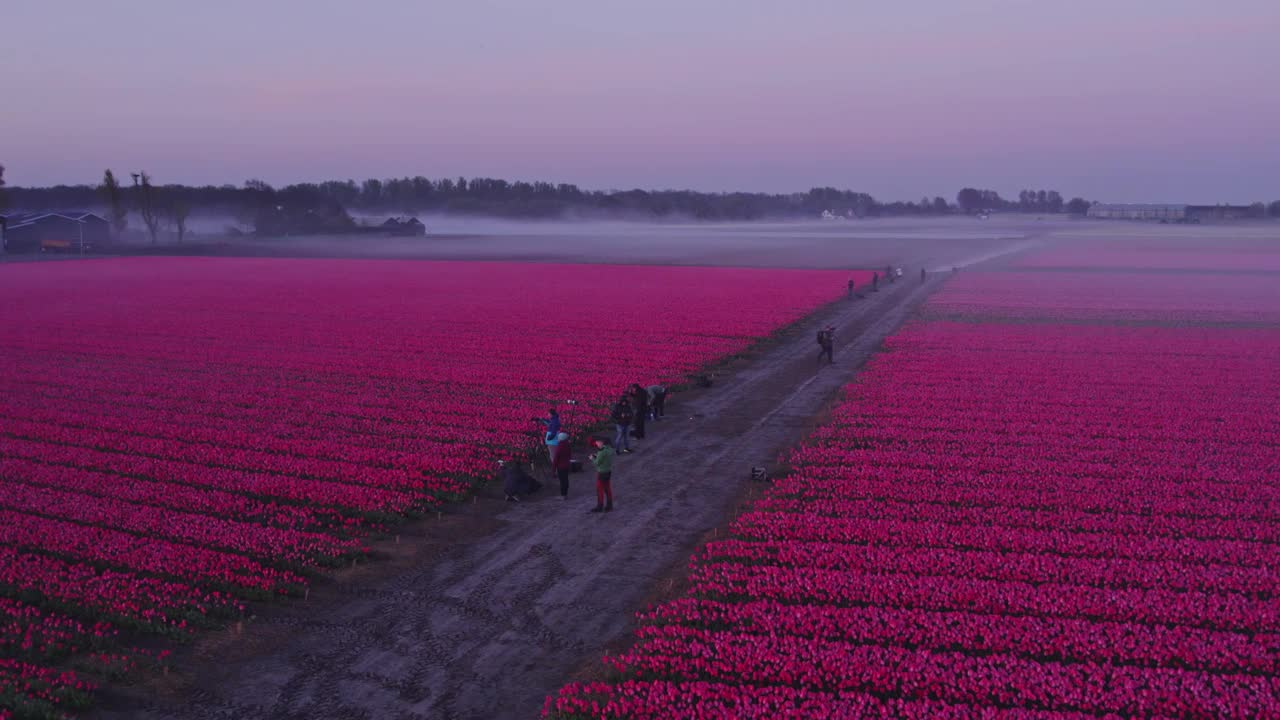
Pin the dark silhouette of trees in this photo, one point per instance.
(1049, 201)
(1078, 206)
(973, 200)
(1274, 209)
(144, 196)
(495, 197)
(118, 214)
(179, 211)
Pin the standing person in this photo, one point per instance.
(657, 401)
(639, 407)
(602, 458)
(552, 423)
(875, 282)
(922, 274)
(622, 419)
(850, 288)
(562, 460)
(826, 344)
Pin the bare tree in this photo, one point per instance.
(115, 199)
(146, 204)
(178, 213)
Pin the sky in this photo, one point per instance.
(1121, 101)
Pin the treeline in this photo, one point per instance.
(500, 198)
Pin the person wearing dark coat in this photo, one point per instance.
(639, 408)
(517, 482)
(622, 419)
(562, 460)
(826, 344)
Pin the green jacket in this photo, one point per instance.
(604, 460)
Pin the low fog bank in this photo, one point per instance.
(931, 242)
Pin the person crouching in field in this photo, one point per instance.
(622, 419)
(657, 401)
(639, 408)
(602, 458)
(561, 460)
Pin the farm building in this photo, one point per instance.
(405, 227)
(1168, 212)
(1138, 211)
(52, 232)
(1220, 212)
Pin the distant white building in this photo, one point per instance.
(1177, 213)
(1138, 211)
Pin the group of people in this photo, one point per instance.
(628, 415)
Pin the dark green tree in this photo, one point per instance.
(1078, 206)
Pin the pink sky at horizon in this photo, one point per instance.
(1129, 100)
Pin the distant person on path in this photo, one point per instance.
(602, 458)
(875, 282)
(622, 419)
(657, 401)
(639, 407)
(562, 460)
(850, 288)
(922, 275)
(826, 344)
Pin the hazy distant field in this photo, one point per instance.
(839, 244)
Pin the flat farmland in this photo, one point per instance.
(183, 436)
(1052, 495)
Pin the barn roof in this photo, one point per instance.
(1141, 206)
(17, 220)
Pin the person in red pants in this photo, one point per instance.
(602, 458)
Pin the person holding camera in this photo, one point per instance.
(602, 458)
(552, 424)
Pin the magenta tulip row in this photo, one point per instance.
(37, 691)
(34, 634)
(1032, 568)
(267, 544)
(1048, 639)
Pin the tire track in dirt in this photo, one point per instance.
(493, 626)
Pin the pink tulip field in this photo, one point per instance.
(180, 437)
(1055, 494)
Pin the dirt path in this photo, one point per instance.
(503, 618)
